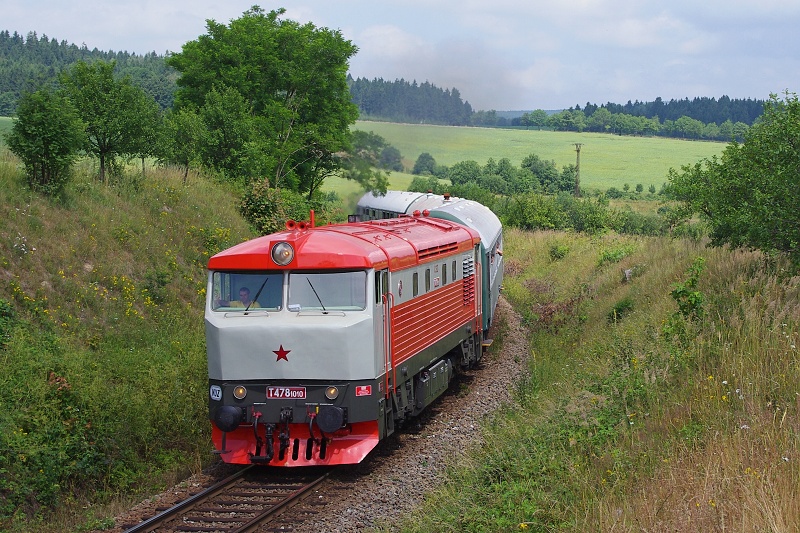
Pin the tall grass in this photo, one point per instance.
(104, 373)
(647, 419)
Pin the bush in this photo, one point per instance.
(46, 136)
(558, 251)
(620, 309)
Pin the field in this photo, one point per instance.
(606, 160)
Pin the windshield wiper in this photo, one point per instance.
(317, 295)
(257, 294)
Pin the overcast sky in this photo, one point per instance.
(500, 54)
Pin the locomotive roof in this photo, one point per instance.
(394, 243)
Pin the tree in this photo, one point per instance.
(749, 194)
(46, 135)
(600, 120)
(146, 132)
(391, 159)
(425, 164)
(363, 161)
(111, 108)
(567, 180)
(291, 78)
(689, 127)
(368, 146)
(230, 127)
(464, 172)
(545, 172)
(538, 118)
(183, 137)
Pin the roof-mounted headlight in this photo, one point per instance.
(282, 253)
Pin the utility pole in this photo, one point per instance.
(577, 192)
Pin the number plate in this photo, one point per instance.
(286, 393)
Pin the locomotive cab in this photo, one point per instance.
(293, 361)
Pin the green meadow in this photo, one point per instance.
(605, 160)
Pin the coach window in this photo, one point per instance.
(455, 272)
(427, 279)
(415, 284)
(444, 273)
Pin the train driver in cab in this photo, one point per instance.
(243, 301)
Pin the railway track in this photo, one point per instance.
(242, 502)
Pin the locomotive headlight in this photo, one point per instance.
(332, 393)
(282, 253)
(239, 392)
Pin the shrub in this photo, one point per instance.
(46, 136)
(558, 251)
(620, 309)
(615, 255)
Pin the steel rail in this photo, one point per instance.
(151, 524)
(250, 524)
(289, 501)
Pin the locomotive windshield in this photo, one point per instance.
(238, 291)
(325, 291)
(339, 291)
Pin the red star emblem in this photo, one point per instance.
(281, 353)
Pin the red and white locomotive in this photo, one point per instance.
(341, 333)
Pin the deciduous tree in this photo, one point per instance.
(184, 134)
(749, 194)
(47, 136)
(111, 108)
(291, 77)
(425, 164)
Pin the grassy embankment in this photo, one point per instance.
(636, 416)
(103, 353)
